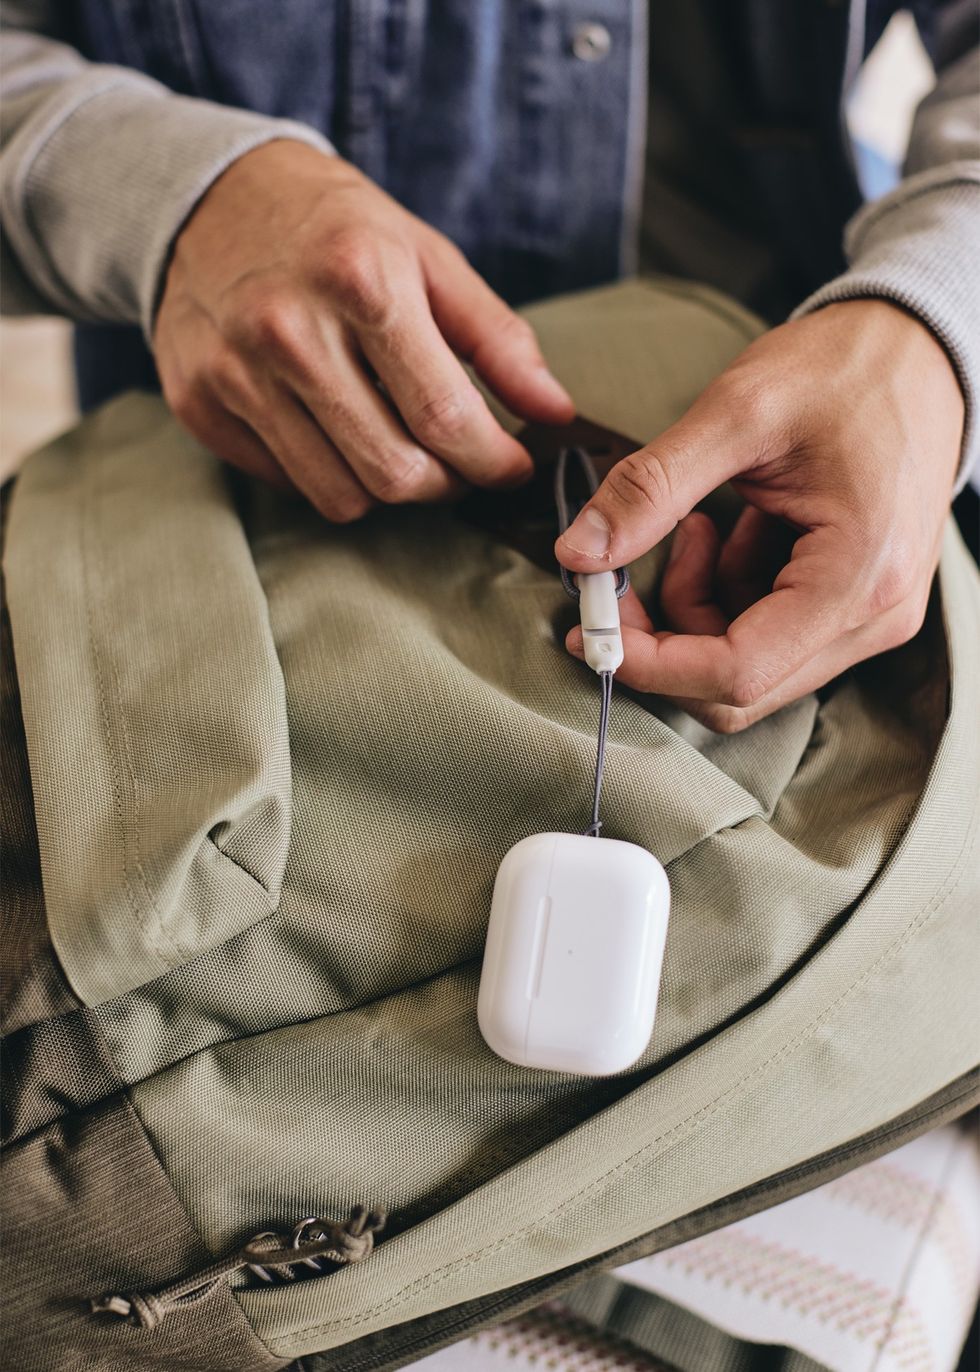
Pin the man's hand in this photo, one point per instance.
(295, 288)
(841, 430)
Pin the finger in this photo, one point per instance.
(499, 343)
(314, 464)
(890, 630)
(750, 559)
(356, 418)
(687, 589)
(645, 494)
(729, 719)
(231, 439)
(809, 608)
(437, 401)
(631, 614)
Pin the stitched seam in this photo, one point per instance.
(553, 1284)
(103, 705)
(151, 933)
(631, 1163)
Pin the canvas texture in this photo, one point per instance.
(274, 765)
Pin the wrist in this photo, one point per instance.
(898, 327)
(242, 180)
(882, 339)
(928, 362)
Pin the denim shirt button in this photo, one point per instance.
(591, 42)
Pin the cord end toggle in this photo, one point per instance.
(602, 639)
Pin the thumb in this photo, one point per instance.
(646, 494)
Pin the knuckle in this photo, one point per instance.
(755, 405)
(745, 689)
(227, 379)
(891, 586)
(752, 405)
(442, 421)
(186, 402)
(908, 622)
(642, 477)
(742, 392)
(720, 719)
(399, 480)
(516, 331)
(507, 332)
(179, 398)
(726, 719)
(437, 242)
(270, 325)
(356, 277)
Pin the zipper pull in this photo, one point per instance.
(312, 1242)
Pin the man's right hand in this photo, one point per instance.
(295, 288)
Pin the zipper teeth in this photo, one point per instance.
(542, 1284)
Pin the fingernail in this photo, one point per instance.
(574, 642)
(589, 534)
(677, 543)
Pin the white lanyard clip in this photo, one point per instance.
(596, 592)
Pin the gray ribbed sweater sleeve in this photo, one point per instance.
(99, 168)
(919, 245)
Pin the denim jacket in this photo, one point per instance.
(518, 127)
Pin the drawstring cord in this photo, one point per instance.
(566, 513)
(313, 1242)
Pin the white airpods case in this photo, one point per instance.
(574, 948)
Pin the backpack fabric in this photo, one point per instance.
(267, 770)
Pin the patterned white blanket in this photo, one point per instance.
(878, 1271)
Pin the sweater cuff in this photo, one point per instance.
(917, 247)
(95, 233)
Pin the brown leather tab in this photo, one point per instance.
(525, 518)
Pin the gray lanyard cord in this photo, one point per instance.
(606, 678)
(566, 513)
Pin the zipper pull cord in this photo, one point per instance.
(313, 1242)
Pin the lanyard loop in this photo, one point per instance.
(566, 513)
(568, 509)
(606, 678)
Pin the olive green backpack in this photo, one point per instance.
(260, 773)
